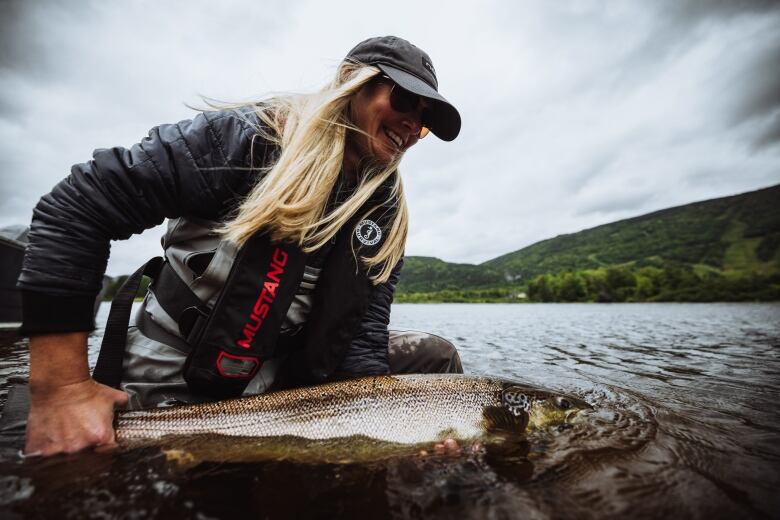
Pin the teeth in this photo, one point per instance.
(395, 137)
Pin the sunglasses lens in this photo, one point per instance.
(403, 101)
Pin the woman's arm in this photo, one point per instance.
(367, 354)
(196, 167)
(68, 410)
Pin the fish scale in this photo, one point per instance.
(405, 409)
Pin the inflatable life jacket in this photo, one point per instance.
(229, 304)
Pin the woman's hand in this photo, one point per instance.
(72, 417)
(69, 411)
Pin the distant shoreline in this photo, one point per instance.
(526, 302)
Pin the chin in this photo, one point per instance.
(389, 156)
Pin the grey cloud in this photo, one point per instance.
(25, 38)
(611, 203)
(692, 12)
(770, 136)
(13, 28)
(677, 25)
(9, 110)
(30, 35)
(759, 86)
(591, 172)
(747, 77)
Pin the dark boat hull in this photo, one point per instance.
(11, 256)
(13, 241)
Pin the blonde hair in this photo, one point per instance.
(291, 201)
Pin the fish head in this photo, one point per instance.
(541, 408)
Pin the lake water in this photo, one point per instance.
(686, 424)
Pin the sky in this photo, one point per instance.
(575, 113)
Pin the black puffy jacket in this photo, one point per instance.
(199, 168)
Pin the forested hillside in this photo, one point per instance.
(719, 249)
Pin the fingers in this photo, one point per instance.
(108, 435)
(78, 441)
(120, 398)
(449, 447)
(78, 417)
(70, 438)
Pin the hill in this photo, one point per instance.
(426, 274)
(737, 233)
(735, 237)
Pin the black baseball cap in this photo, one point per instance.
(412, 70)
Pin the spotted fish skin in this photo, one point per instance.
(517, 402)
(406, 409)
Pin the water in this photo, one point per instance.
(686, 424)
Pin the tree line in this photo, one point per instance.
(669, 282)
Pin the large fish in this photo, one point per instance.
(404, 409)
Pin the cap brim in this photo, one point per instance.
(445, 119)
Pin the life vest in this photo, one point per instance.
(228, 304)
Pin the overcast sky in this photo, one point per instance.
(575, 113)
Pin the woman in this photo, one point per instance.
(307, 184)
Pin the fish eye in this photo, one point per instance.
(564, 403)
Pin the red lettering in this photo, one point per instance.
(249, 335)
(264, 299)
(271, 288)
(274, 273)
(280, 257)
(256, 308)
(254, 326)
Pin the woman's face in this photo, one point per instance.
(388, 133)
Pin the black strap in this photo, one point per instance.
(108, 369)
(178, 301)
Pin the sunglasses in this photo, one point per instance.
(403, 102)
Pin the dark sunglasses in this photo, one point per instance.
(403, 102)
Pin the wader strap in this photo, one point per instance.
(108, 369)
(179, 302)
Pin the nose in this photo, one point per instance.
(412, 121)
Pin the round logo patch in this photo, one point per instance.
(368, 232)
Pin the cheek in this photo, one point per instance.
(377, 110)
(374, 116)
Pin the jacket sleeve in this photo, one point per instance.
(367, 354)
(195, 167)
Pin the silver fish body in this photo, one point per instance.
(405, 409)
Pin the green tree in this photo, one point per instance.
(571, 288)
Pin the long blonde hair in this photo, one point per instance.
(291, 201)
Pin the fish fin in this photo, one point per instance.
(500, 419)
(182, 458)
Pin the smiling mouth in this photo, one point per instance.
(396, 139)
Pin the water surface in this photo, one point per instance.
(686, 424)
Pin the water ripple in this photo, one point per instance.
(685, 424)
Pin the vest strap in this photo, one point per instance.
(108, 369)
(179, 302)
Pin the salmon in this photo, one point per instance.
(402, 409)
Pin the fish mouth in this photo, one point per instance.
(578, 416)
